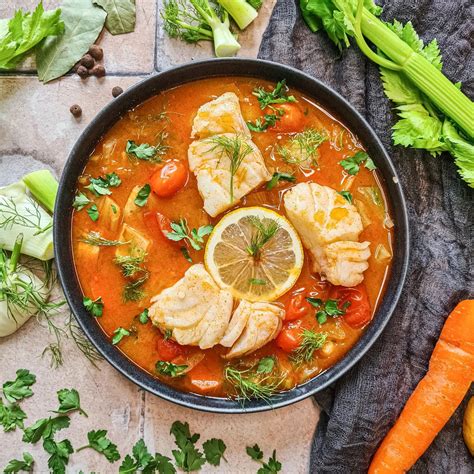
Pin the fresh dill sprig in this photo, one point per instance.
(236, 148)
(94, 238)
(250, 384)
(263, 233)
(29, 216)
(302, 148)
(311, 341)
(133, 290)
(132, 268)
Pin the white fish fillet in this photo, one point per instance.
(195, 309)
(212, 167)
(252, 326)
(323, 218)
(221, 115)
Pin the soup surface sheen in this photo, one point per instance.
(169, 115)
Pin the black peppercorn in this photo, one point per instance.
(116, 91)
(87, 61)
(96, 52)
(75, 110)
(82, 72)
(98, 70)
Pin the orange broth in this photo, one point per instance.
(100, 276)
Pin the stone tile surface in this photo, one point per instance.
(37, 131)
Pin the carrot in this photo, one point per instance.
(439, 393)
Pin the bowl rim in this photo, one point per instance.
(191, 72)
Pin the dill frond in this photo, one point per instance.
(311, 342)
(264, 232)
(302, 148)
(94, 238)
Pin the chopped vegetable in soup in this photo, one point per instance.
(236, 235)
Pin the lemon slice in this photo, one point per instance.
(239, 263)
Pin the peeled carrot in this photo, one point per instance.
(439, 393)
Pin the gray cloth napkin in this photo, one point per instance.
(360, 408)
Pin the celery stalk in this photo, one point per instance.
(432, 82)
(242, 13)
(43, 186)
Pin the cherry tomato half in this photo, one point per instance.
(290, 337)
(169, 179)
(358, 313)
(157, 223)
(292, 119)
(168, 349)
(297, 307)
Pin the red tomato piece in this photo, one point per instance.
(292, 119)
(358, 313)
(297, 307)
(290, 337)
(168, 180)
(168, 349)
(157, 223)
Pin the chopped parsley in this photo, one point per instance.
(263, 123)
(146, 152)
(352, 164)
(99, 442)
(277, 96)
(279, 176)
(169, 369)
(142, 195)
(20, 388)
(94, 307)
(347, 196)
(100, 186)
(327, 308)
(195, 237)
(119, 334)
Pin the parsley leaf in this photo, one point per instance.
(119, 334)
(277, 177)
(11, 416)
(328, 308)
(195, 237)
(214, 450)
(80, 201)
(142, 195)
(100, 186)
(187, 457)
(169, 369)
(272, 466)
(45, 428)
(263, 123)
(266, 365)
(17, 465)
(352, 164)
(254, 452)
(347, 196)
(69, 401)
(95, 307)
(144, 151)
(143, 316)
(18, 389)
(276, 96)
(100, 443)
(93, 213)
(59, 454)
(143, 461)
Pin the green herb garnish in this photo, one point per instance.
(236, 149)
(277, 177)
(169, 369)
(93, 212)
(266, 365)
(119, 334)
(146, 152)
(141, 460)
(143, 316)
(195, 237)
(272, 466)
(347, 196)
(45, 428)
(60, 452)
(17, 465)
(302, 148)
(142, 195)
(94, 238)
(20, 388)
(80, 201)
(99, 442)
(327, 308)
(100, 186)
(310, 342)
(69, 401)
(276, 96)
(187, 457)
(264, 232)
(214, 450)
(257, 281)
(95, 307)
(11, 416)
(352, 164)
(263, 123)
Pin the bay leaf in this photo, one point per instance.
(121, 15)
(83, 23)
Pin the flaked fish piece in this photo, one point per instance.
(221, 115)
(227, 167)
(252, 326)
(194, 309)
(323, 218)
(346, 262)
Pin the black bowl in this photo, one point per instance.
(188, 73)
